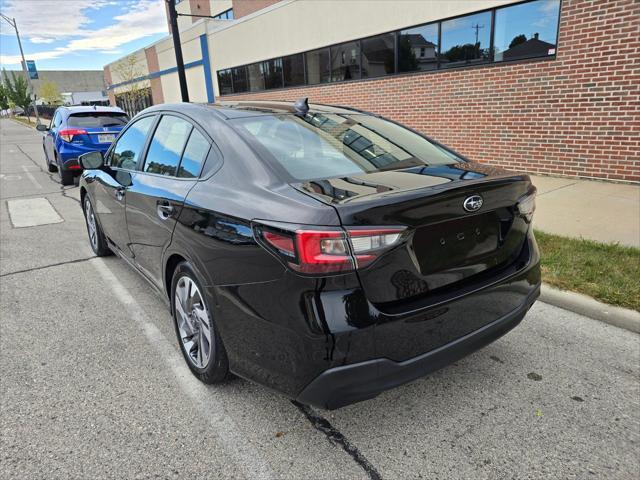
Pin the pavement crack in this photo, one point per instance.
(337, 438)
(26, 270)
(556, 189)
(50, 175)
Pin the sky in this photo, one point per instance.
(78, 34)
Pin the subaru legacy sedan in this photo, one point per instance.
(324, 252)
(77, 130)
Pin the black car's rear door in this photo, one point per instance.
(155, 198)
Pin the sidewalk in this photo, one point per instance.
(602, 211)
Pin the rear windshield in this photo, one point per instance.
(338, 145)
(97, 119)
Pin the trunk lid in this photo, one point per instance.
(446, 245)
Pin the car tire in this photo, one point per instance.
(66, 177)
(51, 168)
(97, 240)
(204, 352)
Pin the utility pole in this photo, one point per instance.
(175, 33)
(477, 28)
(12, 22)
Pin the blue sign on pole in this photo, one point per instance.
(31, 68)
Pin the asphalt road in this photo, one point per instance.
(93, 385)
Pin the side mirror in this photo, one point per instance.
(41, 127)
(91, 160)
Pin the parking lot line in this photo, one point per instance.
(31, 178)
(223, 427)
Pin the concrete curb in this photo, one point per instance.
(587, 306)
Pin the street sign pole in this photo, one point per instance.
(12, 22)
(175, 33)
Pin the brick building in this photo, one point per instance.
(545, 86)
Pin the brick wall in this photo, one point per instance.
(245, 7)
(199, 7)
(577, 115)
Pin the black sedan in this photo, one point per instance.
(322, 251)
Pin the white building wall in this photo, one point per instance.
(171, 88)
(196, 83)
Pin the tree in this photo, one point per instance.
(132, 94)
(18, 91)
(407, 61)
(517, 40)
(50, 93)
(4, 98)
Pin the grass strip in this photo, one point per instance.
(608, 272)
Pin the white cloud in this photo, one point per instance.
(6, 60)
(45, 21)
(146, 18)
(49, 19)
(41, 40)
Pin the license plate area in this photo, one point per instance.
(106, 138)
(458, 243)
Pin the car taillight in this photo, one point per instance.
(68, 133)
(330, 250)
(368, 244)
(527, 205)
(282, 243)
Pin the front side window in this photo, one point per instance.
(167, 145)
(378, 56)
(418, 48)
(54, 120)
(348, 144)
(526, 30)
(194, 155)
(465, 40)
(128, 149)
(345, 61)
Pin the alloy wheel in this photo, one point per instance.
(91, 224)
(194, 325)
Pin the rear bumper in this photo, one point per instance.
(341, 386)
(68, 154)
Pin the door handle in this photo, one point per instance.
(164, 210)
(119, 193)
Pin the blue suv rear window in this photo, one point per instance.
(97, 119)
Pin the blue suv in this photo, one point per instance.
(77, 130)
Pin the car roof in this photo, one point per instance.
(90, 109)
(238, 109)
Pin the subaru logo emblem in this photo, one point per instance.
(473, 203)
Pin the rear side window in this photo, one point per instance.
(97, 119)
(167, 145)
(128, 149)
(339, 145)
(194, 155)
